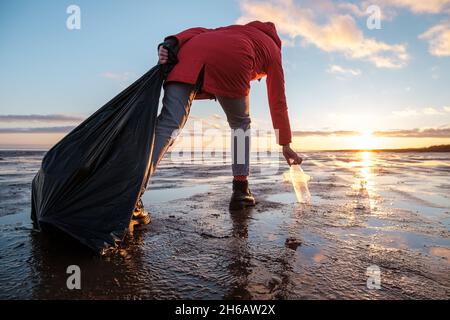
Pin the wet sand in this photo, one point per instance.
(368, 209)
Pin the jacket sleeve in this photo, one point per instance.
(185, 35)
(277, 100)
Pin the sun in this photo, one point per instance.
(365, 141)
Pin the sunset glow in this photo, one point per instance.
(365, 141)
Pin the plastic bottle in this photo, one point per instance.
(300, 183)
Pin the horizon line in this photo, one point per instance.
(431, 148)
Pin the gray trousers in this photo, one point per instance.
(177, 103)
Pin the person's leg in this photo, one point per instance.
(238, 117)
(177, 103)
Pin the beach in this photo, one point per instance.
(370, 211)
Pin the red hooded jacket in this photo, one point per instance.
(233, 56)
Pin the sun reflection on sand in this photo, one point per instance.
(366, 164)
(365, 183)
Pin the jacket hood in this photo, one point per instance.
(268, 28)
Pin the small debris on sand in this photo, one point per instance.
(292, 243)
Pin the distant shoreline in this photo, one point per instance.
(437, 148)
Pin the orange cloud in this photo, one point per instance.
(8, 118)
(416, 6)
(339, 32)
(416, 133)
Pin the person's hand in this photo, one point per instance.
(291, 156)
(163, 55)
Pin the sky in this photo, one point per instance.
(351, 82)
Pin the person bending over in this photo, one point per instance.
(219, 64)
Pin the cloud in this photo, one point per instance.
(336, 69)
(41, 118)
(339, 133)
(431, 111)
(352, 8)
(438, 35)
(446, 109)
(336, 31)
(439, 39)
(443, 132)
(415, 6)
(118, 76)
(288, 42)
(415, 133)
(405, 112)
(213, 121)
(411, 133)
(408, 112)
(62, 129)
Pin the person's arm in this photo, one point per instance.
(184, 36)
(176, 41)
(277, 100)
(279, 110)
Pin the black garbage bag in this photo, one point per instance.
(90, 181)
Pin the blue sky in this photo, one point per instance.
(334, 81)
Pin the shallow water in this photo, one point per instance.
(391, 210)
